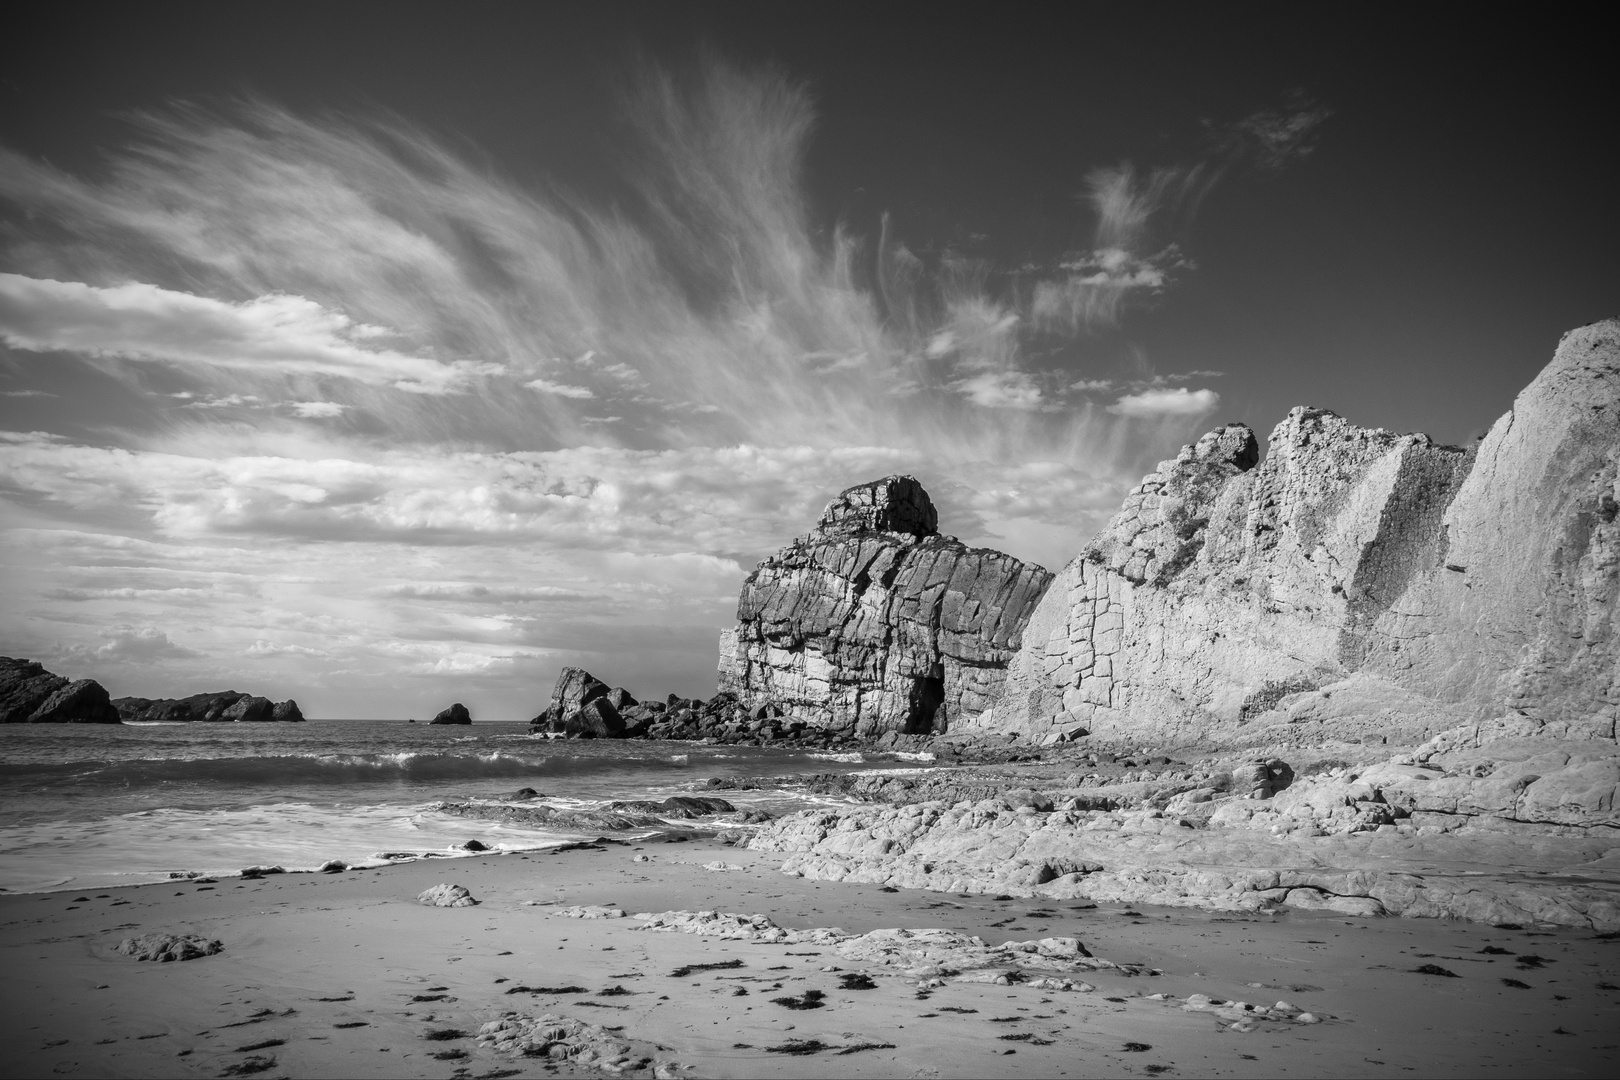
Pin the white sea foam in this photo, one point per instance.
(150, 845)
(891, 772)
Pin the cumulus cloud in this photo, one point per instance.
(261, 649)
(273, 333)
(1001, 390)
(134, 644)
(546, 386)
(317, 410)
(1166, 402)
(725, 498)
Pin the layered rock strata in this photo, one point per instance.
(875, 622)
(223, 706)
(1481, 580)
(31, 695)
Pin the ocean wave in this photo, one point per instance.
(849, 759)
(317, 768)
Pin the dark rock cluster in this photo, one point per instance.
(584, 707)
(219, 706)
(31, 695)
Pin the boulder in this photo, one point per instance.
(455, 714)
(575, 688)
(680, 806)
(31, 695)
(1262, 778)
(597, 719)
(287, 712)
(165, 948)
(875, 622)
(1466, 581)
(445, 895)
(83, 701)
(250, 710)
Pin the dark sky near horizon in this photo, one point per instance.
(293, 402)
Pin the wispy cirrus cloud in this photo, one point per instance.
(452, 426)
(271, 334)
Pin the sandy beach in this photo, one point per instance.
(347, 975)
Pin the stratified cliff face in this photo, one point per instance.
(876, 622)
(1474, 580)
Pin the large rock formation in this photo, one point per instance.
(31, 695)
(455, 714)
(876, 622)
(583, 706)
(220, 706)
(1426, 583)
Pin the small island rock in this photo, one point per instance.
(455, 714)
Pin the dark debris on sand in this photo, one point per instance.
(810, 999)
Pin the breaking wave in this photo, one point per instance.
(334, 769)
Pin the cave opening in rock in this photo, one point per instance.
(927, 695)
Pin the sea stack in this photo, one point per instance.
(455, 714)
(877, 623)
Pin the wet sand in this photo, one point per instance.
(346, 975)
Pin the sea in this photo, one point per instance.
(86, 806)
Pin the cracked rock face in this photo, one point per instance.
(1445, 580)
(876, 622)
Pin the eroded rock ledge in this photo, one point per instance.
(1511, 821)
(875, 622)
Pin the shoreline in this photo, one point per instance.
(359, 936)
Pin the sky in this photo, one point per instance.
(383, 356)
